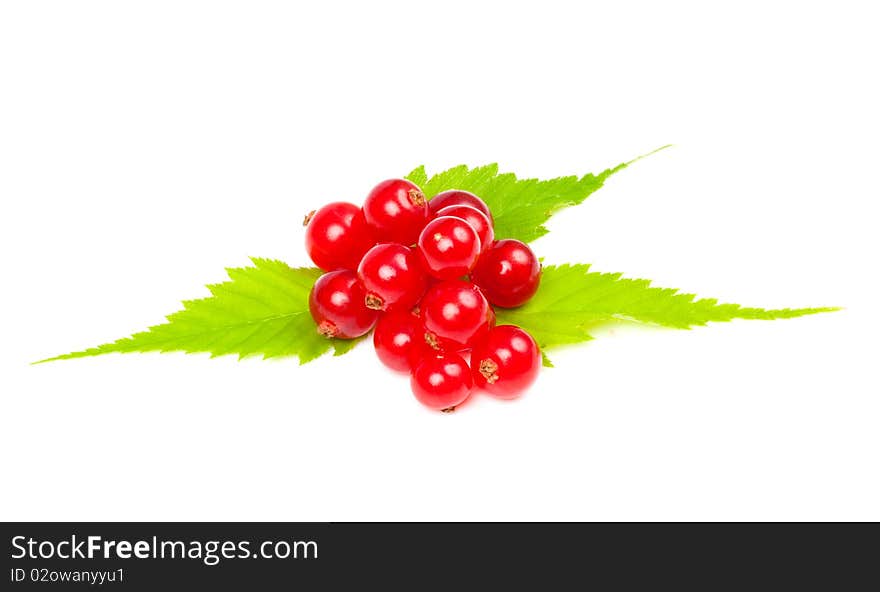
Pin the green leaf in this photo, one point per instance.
(571, 299)
(520, 206)
(261, 310)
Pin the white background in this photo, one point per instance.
(146, 146)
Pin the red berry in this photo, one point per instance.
(392, 277)
(337, 236)
(477, 219)
(397, 211)
(442, 382)
(458, 197)
(454, 313)
(506, 361)
(337, 305)
(449, 247)
(508, 273)
(399, 340)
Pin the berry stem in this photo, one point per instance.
(308, 217)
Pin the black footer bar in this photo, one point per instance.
(149, 556)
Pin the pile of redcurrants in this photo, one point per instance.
(426, 274)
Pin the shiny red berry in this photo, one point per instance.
(458, 197)
(505, 362)
(399, 340)
(454, 313)
(337, 305)
(449, 247)
(396, 211)
(337, 236)
(392, 277)
(442, 382)
(477, 219)
(508, 272)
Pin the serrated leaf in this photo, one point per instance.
(261, 310)
(571, 299)
(520, 206)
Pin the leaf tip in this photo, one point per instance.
(623, 165)
(819, 310)
(418, 175)
(60, 357)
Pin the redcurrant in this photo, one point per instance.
(508, 273)
(454, 312)
(392, 277)
(337, 305)
(506, 361)
(449, 247)
(399, 339)
(397, 211)
(442, 382)
(337, 236)
(477, 219)
(458, 197)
